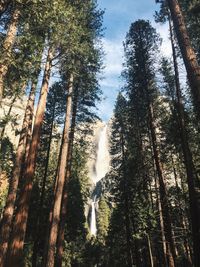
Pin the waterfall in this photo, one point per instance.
(102, 161)
(93, 227)
(100, 169)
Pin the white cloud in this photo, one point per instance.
(113, 56)
(105, 109)
(110, 84)
(163, 30)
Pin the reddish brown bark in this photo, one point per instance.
(60, 180)
(42, 195)
(188, 54)
(44, 258)
(7, 48)
(13, 185)
(20, 222)
(188, 160)
(63, 213)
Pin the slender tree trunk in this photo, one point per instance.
(42, 196)
(20, 222)
(188, 162)
(63, 213)
(150, 250)
(188, 54)
(163, 194)
(7, 48)
(183, 223)
(164, 246)
(45, 253)
(61, 181)
(186, 245)
(13, 186)
(159, 208)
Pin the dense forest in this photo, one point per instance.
(147, 211)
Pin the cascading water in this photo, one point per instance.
(102, 161)
(93, 226)
(100, 169)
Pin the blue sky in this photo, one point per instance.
(119, 14)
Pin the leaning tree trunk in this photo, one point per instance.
(188, 54)
(60, 180)
(150, 250)
(163, 258)
(63, 212)
(163, 194)
(188, 160)
(20, 222)
(13, 185)
(7, 46)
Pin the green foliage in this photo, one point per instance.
(78, 193)
(3, 191)
(7, 155)
(103, 218)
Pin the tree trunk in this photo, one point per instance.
(163, 194)
(150, 250)
(20, 222)
(188, 54)
(13, 186)
(45, 252)
(60, 181)
(7, 48)
(185, 244)
(40, 208)
(164, 246)
(163, 258)
(63, 213)
(188, 161)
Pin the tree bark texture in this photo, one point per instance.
(188, 53)
(60, 180)
(13, 185)
(42, 195)
(63, 213)
(188, 161)
(20, 222)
